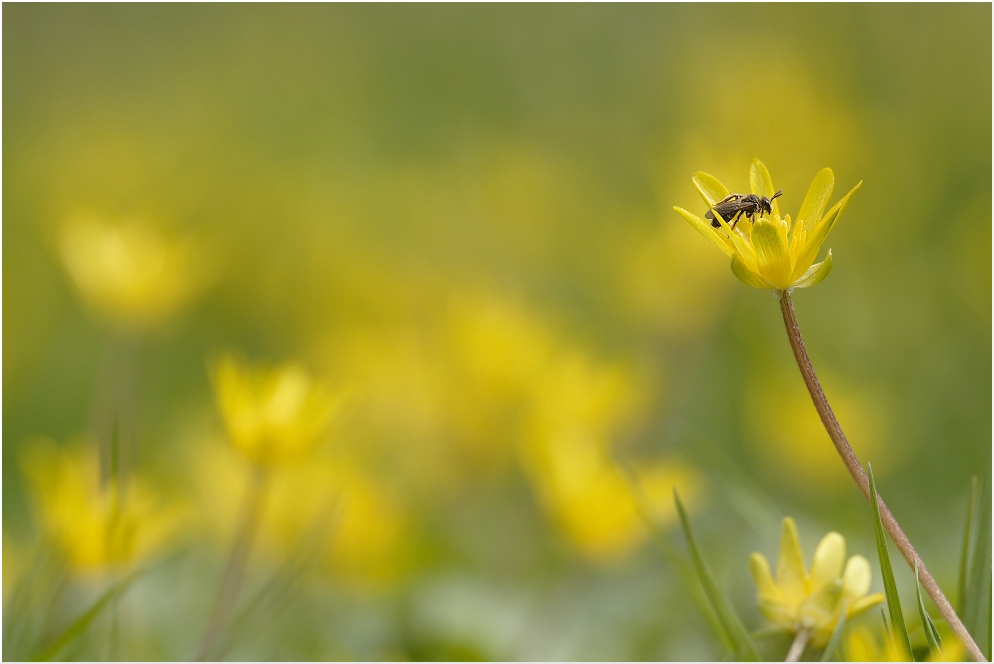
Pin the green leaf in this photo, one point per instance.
(83, 621)
(833, 641)
(742, 646)
(972, 506)
(977, 607)
(890, 586)
(931, 634)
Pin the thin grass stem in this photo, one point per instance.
(234, 571)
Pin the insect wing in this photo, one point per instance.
(727, 208)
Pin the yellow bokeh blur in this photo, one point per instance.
(398, 290)
(98, 525)
(788, 435)
(272, 414)
(128, 272)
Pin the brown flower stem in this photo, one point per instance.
(798, 646)
(858, 474)
(234, 571)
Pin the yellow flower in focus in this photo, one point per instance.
(128, 272)
(800, 600)
(95, 525)
(862, 645)
(272, 414)
(773, 252)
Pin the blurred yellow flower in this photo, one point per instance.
(799, 600)
(772, 253)
(128, 272)
(862, 645)
(791, 440)
(272, 414)
(364, 524)
(97, 526)
(577, 407)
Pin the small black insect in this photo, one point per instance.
(734, 206)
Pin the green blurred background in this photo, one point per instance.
(462, 215)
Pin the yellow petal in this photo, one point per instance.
(863, 604)
(815, 273)
(817, 198)
(747, 276)
(777, 612)
(861, 646)
(796, 238)
(759, 570)
(829, 557)
(740, 241)
(772, 259)
(761, 183)
(707, 231)
(790, 563)
(711, 190)
(820, 232)
(821, 609)
(856, 579)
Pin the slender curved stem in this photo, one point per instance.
(234, 571)
(798, 646)
(858, 474)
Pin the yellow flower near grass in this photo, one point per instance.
(812, 600)
(364, 523)
(272, 414)
(96, 525)
(578, 405)
(772, 252)
(128, 272)
(864, 645)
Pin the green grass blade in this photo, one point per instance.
(833, 641)
(886, 571)
(672, 557)
(83, 621)
(739, 489)
(931, 633)
(977, 605)
(964, 559)
(743, 647)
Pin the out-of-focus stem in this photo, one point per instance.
(856, 470)
(798, 646)
(234, 571)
